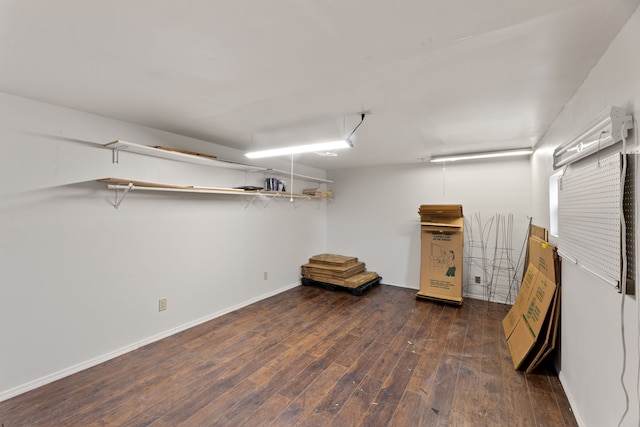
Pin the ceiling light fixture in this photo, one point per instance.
(609, 127)
(486, 155)
(308, 148)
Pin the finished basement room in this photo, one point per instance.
(305, 213)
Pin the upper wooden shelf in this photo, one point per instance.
(180, 156)
(177, 155)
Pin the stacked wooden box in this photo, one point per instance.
(338, 271)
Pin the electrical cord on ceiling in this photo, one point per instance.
(354, 129)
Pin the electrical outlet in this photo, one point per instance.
(478, 281)
(162, 304)
(266, 275)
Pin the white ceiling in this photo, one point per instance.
(438, 76)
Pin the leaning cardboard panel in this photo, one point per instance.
(527, 331)
(530, 318)
(535, 231)
(513, 316)
(441, 237)
(549, 331)
(545, 257)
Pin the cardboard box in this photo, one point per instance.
(530, 326)
(544, 347)
(333, 259)
(360, 279)
(339, 270)
(442, 241)
(321, 271)
(513, 316)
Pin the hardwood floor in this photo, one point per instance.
(312, 357)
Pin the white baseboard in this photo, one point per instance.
(572, 403)
(465, 294)
(398, 285)
(23, 388)
(204, 319)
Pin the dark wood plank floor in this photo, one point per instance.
(312, 357)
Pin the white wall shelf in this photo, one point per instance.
(123, 186)
(117, 146)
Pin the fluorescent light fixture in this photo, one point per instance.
(609, 127)
(486, 155)
(309, 148)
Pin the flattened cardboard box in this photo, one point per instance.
(513, 316)
(337, 272)
(527, 330)
(549, 332)
(441, 237)
(545, 257)
(333, 259)
(530, 319)
(350, 282)
(360, 279)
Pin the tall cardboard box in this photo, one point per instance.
(442, 240)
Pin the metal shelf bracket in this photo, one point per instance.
(125, 190)
(115, 155)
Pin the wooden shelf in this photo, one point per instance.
(146, 150)
(126, 185)
(295, 175)
(164, 153)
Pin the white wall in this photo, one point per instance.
(80, 280)
(594, 355)
(374, 215)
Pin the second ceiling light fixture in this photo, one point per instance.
(307, 148)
